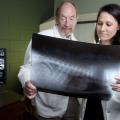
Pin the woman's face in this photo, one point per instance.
(106, 27)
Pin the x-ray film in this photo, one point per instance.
(73, 68)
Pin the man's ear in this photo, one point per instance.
(56, 20)
(77, 17)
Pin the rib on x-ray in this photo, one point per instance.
(74, 68)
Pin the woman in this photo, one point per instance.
(107, 32)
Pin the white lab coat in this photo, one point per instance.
(47, 105)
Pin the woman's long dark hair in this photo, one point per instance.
(114, 10)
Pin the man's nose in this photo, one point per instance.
(67, 22)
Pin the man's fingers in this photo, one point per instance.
(116, 87)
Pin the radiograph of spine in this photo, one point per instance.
(83, 78)
(80, 74)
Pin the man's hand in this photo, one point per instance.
(116, 86)
(30, 90)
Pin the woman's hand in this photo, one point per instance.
(116, 86)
